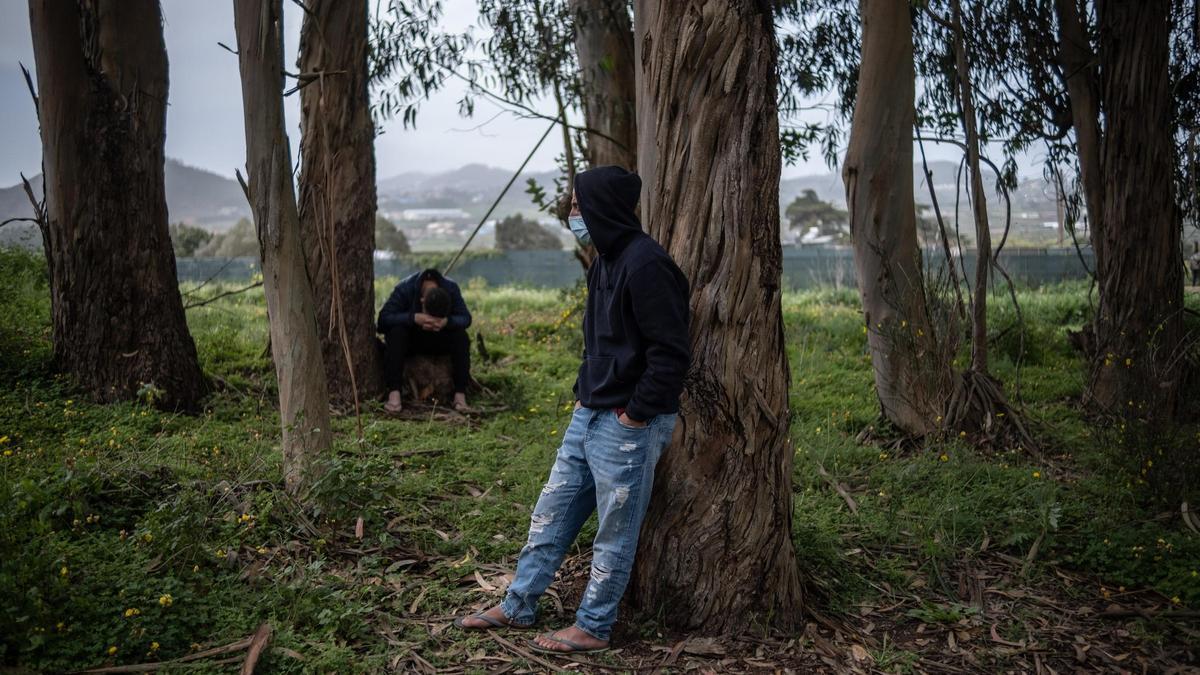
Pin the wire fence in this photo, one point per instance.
(809, 267)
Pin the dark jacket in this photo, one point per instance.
(635, 330)
(405, 301)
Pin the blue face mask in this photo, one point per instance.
(579, 229)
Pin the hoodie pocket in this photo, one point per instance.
(601, 371)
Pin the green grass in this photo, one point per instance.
(106, 509)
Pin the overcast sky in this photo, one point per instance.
(204, 120)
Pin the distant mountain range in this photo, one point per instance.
(194, 196)
(214, 202)
(471, 178)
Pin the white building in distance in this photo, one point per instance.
(434, 214)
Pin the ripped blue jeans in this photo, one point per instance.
(604, 466)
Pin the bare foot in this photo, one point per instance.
(393, 402)
(495, 614)
(460, 403)
(573, 634)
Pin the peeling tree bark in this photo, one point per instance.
(118, 320)
(337, 193)
(604, 43)
(1139, 326)
(716, 551)
(911, 380)
(303, 397)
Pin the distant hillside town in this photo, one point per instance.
(438, 211)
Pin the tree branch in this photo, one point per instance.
(533, 113)
(210, 278)
(218, 296)
(37, 109)
(245, 188)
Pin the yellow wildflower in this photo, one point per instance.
(165, 600)
(1037, 474)
(112, 650)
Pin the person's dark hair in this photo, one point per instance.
(437, 302)
(431, 274)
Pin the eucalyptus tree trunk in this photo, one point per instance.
(118, 320)
(716, 552)
(983, 233)
(604, 44)
(303, 397)
(337, 194)
(911, 378)
(1079, 66)
(1139, 327)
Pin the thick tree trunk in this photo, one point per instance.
(1079, 65)
(337, 194)
(303, 397)
(1139, 327)
(604, 43)
(910, 378)
(117, 315)
(716, 551)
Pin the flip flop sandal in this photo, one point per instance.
(491, 622)
(575, 647)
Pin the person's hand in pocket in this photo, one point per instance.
(624, 419)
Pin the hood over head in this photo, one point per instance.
(607, 197)
(431, 274)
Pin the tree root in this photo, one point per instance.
(979, 409)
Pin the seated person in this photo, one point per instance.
(425, 314)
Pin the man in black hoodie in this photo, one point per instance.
(636, 354)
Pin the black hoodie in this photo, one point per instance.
(635, 331)
(405, 302)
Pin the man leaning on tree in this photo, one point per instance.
(636, 354)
